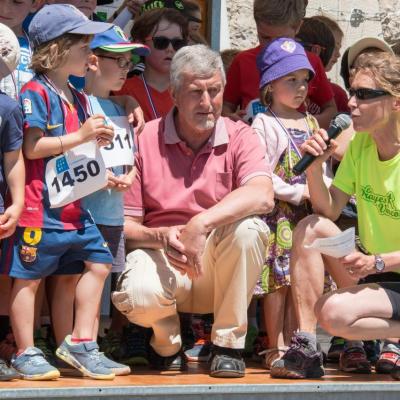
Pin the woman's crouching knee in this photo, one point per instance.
(332, 314)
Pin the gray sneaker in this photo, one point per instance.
(33, 366)
(85, 357)
(300, 361)
(118, 368)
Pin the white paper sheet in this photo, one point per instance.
(336, 246)
(122, 149)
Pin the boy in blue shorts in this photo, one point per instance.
(107, 72)
(56, 120)
(12, 172)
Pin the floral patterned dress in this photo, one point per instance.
(284, 218)
(282, 221)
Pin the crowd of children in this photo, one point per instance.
(66, 158)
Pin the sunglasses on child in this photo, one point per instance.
(162, 42)
(122, 62)
(367, 93)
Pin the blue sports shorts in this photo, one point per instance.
(34, 253)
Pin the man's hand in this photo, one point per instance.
(173, 248)
(359, 265)
(9, 220)
(193, 239)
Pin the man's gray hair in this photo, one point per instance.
(198, 60)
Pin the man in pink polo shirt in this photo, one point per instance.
(191, 219)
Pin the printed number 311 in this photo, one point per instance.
(120, 141)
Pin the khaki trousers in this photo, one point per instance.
(150, 292)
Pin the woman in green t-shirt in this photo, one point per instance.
(370, 170)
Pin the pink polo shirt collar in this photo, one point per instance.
(218, 137)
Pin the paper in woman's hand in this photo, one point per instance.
(336, 246)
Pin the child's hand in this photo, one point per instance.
(96, 128)
(135, 114)
(121, 183)
(8, 221)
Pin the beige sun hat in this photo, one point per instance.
(366, 43)
(9, 51)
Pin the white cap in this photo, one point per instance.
(366, 43)
(9, 51)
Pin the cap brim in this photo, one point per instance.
(91, 28)
(365, 43)
(139, 49)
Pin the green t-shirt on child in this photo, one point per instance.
(376, 185)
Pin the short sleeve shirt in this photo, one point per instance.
(376, 186)
(10, 137)
(42, 108)
(243, 80)
(173, 184)
(106, 206)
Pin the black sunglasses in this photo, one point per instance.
(121, 61)
(367, 93)
(162, 42)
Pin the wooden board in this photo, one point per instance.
(197, 374)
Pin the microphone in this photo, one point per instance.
(338, 124)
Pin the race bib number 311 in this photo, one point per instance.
(75, 174)
(122, 148)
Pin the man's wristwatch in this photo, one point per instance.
(379, 263)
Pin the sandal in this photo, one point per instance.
(272, 355)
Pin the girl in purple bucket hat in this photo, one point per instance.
(285, 72)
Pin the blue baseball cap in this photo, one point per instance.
(281, 57)
(55, 20)
(115, 41)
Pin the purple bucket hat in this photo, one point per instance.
(281, 57)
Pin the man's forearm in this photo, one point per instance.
(138, 236)
(252, 199)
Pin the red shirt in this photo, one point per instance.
(173, 184)
(243, 80)
(162, 101)
(341, 98)
(43, 109)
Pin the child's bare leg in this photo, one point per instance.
(22, 311)
(62, 307)
(87, 299)
(39, 303)
(274, 315)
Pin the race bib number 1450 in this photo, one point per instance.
(75, 174)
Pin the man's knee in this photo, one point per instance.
(250, 232)
(141, 293)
